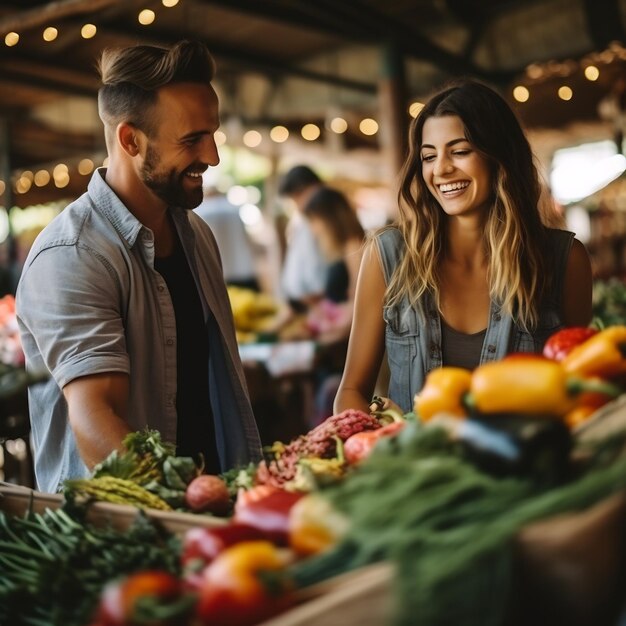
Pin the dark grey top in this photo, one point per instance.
(461, 349)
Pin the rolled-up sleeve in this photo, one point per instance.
(74, 317)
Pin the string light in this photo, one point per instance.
(85, 167)
(88, 31)
(169, 3)
(252, 138)
(146, 17)
(42, 178)
(338, 125)
(50, 33)
(28, 175)
(310, 132)
(592, 73)
(220, 138)
(279, 134)
(565, 93)
(521, 93)
(368, 126)
(11, 39)
(415, 108)
(62, 181)
(59, 170)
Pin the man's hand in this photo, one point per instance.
(97, 412)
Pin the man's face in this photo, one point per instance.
(182, 144)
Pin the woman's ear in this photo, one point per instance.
(128, 138)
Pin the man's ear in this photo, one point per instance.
(128, 138)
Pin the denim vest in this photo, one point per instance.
(413, 339)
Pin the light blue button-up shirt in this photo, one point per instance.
(90, 301)
(413, 338)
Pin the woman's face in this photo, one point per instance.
(456, 174)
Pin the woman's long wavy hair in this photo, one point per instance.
(514, 236)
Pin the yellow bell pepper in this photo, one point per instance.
(443, 392)
(531, 386)
(602, 355)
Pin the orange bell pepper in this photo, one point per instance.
(244, 585)
(443, 392)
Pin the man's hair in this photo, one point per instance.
(296, 179)
(131, 78)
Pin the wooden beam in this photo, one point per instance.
(32, 18)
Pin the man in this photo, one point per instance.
(304, 269)
(122, 298)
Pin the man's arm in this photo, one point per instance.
(97, 407)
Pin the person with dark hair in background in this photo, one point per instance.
(304, 269)
(470, 272)
(122, 298)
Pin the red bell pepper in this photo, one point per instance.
(244, 585)
(270, 514)
(561, 343)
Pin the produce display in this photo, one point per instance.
(254, 313)
(440, 493)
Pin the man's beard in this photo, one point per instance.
(169, 185)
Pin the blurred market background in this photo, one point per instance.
(329, 84)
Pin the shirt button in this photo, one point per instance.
(170, 342)
(160, 287)
(491, 348)
(497, 317)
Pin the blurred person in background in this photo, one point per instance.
(122, 299)
(303, 276)
(340, 237)
(236, 250)
(470, 272)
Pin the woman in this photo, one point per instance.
(469, 273)
(339, 235)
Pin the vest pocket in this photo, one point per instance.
(549, 323)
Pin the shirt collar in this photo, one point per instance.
(102, 196)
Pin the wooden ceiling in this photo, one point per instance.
(317, 49)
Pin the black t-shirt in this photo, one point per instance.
(337, 282)
(195, 431)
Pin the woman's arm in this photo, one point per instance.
(577, 287)
(367, 337)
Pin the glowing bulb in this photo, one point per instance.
(22, 185)
(146, 17)
(63, 180)
(42, 178)
(368, 126)
(11, 39)
(565, 92)
(220, 138)
(237, 195)
(2, 187)
(521, 93)
(85, 167)
(169, 3)
(415, 108)
(252, 138)
(279, 134)
(50, 33)
(338, 125)
(592, 72)
(88, 31)
(310, 132)
(59, 170)
(27, 174)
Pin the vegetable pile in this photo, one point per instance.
(54, 567)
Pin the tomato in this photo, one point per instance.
(152, 590)
(561, 343)
(359, 445)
